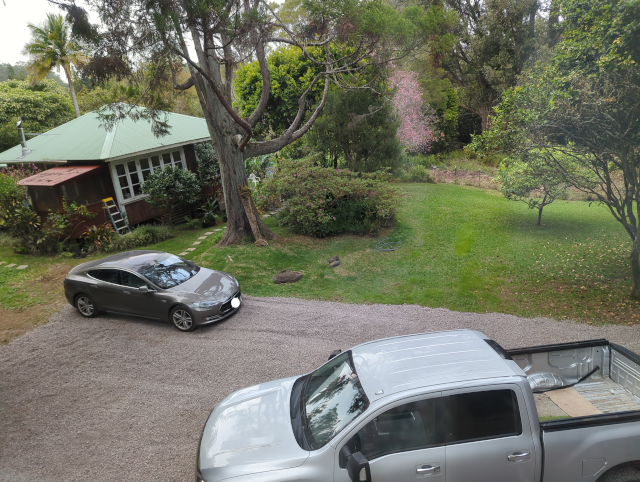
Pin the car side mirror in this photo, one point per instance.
(144, 289)
(334, 353)
(358, 468)
(343, 456)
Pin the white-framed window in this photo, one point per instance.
(129, 175)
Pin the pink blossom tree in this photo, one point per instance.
(416, 117)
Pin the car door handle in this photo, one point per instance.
(127, 292)
(428, 469)
(518, 456)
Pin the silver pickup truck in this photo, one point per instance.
(450, 406)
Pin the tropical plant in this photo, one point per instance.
(210, 210)
(98, 238)
(141, 236)
(51, 46)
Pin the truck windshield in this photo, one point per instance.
(332, 398)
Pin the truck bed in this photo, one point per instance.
(614, 385)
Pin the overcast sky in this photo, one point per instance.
(14, 16)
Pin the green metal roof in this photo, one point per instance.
(83, 139)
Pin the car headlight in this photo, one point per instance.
(205, 304)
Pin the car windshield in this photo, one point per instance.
(169, 271)
(332, 398)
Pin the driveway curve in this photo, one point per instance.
(123, 399)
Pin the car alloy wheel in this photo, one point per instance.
(86, 307)
(182, 319)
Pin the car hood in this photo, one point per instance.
(250, 432)
(208, 284)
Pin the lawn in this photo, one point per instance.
(463, 248)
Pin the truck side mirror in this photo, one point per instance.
(343, 456)
(334, 353)
(358, 468)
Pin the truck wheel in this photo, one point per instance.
(621, 474)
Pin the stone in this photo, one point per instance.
(190, 249)
(23, 266)
(195, 243)
(10, 265)
(334, 261)
(217, 230)
(286, 276)
(202, 237)
(183, 254)
(210, 232)
(2, 262)
(265, 215)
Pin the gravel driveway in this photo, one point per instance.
(120, 399)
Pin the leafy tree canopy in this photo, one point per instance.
(42, 106)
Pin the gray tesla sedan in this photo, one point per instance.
(153, 284)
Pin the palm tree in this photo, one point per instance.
(51, 46)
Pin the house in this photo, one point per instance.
(85, 163)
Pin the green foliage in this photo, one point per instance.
(43, 106)
(359, 128)
(599, 35)
(416, 173)
(11, 197)
(141, 236)
(208, 167)
(291, 74)
(35, 237)
(447, 124)
(172, 187)
(98, 238)
(531, 181)
(322, 202)
(260, 165)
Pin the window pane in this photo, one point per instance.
(167, 159)
(481, 415)
(126, 193)
(176, 158)
(134, 177)
(146, 174)
(129, 279)
(132, 167)
(408, 427)
(120, 170)
(155, 161)
(107, 275)
(144, 163)
(124, 182)
(137, 190)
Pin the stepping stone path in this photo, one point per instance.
(191, 249)
(182, 254)
(202, 237)
(22, 266)
(196, 243)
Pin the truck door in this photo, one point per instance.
(402, 442)
(488, 437)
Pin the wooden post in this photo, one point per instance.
(249, 209)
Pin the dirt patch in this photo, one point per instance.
(49, 289)
(479, 179)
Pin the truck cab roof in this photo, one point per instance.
(402, 363)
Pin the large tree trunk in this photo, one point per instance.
(232, 173)
(72, 91)
(554, 18)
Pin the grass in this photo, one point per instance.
(463, 248)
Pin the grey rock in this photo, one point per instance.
(286, 276)
(335, 263)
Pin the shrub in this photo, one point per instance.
(322, 202)
(418, 173)
(171, 188)
(141, 236)
(208, 166)
(98, 238)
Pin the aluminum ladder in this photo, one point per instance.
(119, 222)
